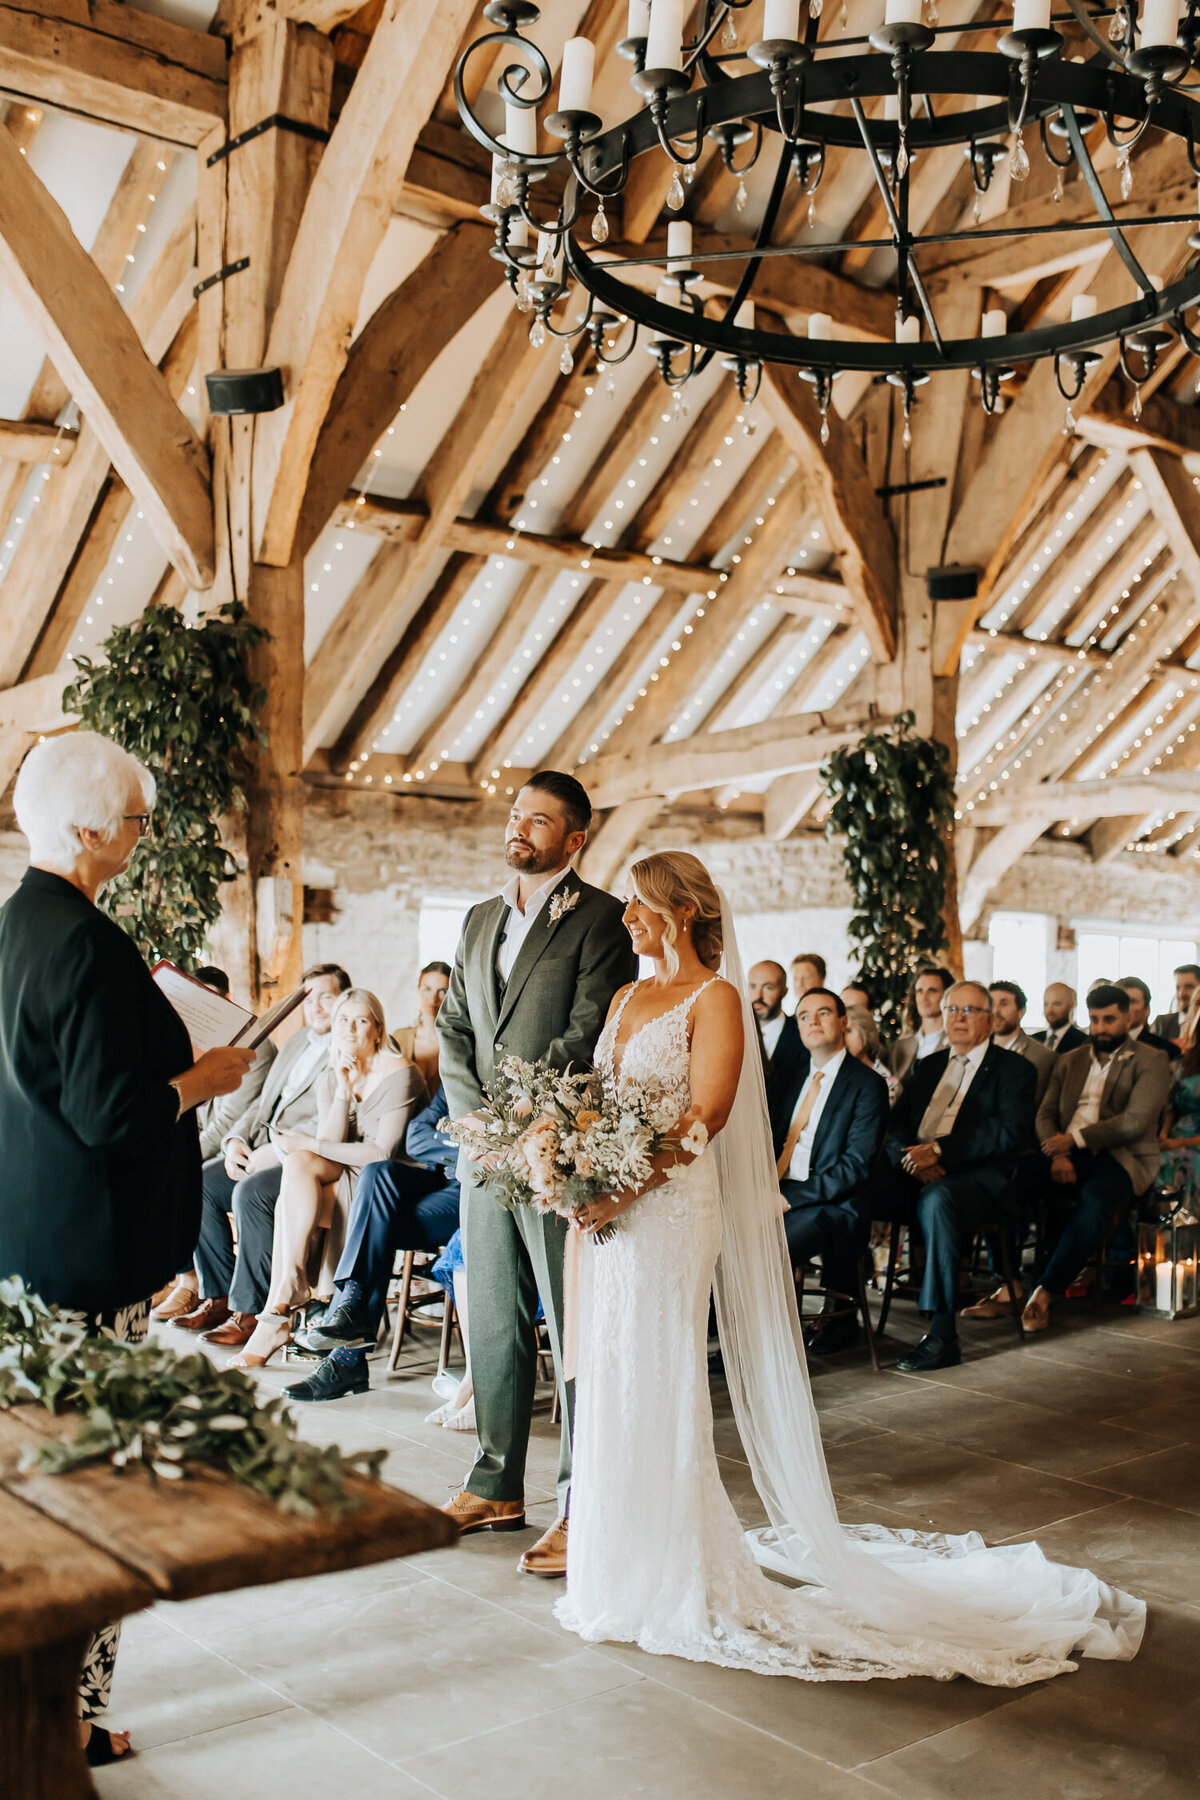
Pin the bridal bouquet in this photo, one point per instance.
(556, 1141)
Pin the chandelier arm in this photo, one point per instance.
(579, 326)
(1104, 211)
(555, 227)
(1106, 48)
(1079, 370)
(614, 362)
(1048, 152)
(511, 89)
(1188, 336)
(752, 158)
(620, 175)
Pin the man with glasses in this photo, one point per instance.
(953, 1142)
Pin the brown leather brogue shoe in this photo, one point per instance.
(179, 1300)
(471, 1513)
(548, 1557)
(234, 1333)
(205, 1317)
(994, 1306)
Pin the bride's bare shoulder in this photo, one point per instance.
(719, 1001)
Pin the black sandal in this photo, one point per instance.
(99, 1749)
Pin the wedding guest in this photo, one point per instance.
(365, 1100)
(1098, 1125)
(214, 1119)
(1187, 985)
(98, 1085)
(409, 1202)
(419, 1042)
(924, 1034)
(855, 994)
(1139, 1018)
(1058, 1009)
(785, 1060)
(808, 971)
(245, 1178)
(827, 1134)
(1179, 1134)
(864, 1044)
(1009, 1006)
(953, 1142)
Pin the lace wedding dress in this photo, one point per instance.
(656, 1555)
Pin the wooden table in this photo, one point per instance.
(81, 1550)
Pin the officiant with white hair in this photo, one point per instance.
(100, 1197)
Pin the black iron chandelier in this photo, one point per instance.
(786, 95)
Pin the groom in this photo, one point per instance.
(536, 969)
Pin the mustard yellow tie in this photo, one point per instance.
(803, 1114)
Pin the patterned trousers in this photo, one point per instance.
(128, 1325)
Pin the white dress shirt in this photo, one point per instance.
(930, 1041)
(1087, 1110)
(945, 1125)
(798, 1168)
(517, 924)
(771, 1029)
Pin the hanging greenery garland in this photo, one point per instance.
(893, 807)
(182, 699)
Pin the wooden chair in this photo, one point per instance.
(852, 1303)
(416, 1264)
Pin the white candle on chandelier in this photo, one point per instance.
(679, 245)
(781, 19)
(820, 327)
(639, 18)
(664, 40)
(667, 294)
(578, 70)
(903, 12)
(995, 322)
(1160, 23)
(891, 108)
(744, 316)
(520, 129)
(1083, 306)
(1031, 15)
(908, 331)
(518, 234)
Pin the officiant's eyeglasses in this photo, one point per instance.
(963, 1012)
(143, 822)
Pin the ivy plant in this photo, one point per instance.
(892, 808)
(183, 700)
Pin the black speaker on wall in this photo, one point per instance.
(244, 391)
(955, 581)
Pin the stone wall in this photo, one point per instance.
(384, 855)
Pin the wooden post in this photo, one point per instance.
(250, 204)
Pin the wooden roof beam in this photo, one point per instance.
(1103, 799)
(25, 441)
(1164, 425)
(115, 64)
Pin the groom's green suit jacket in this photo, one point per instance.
(552, 1007)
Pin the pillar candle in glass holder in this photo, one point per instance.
(578, 69)
(664, 41)
(908, 331)
(679, 245)
(1031, 15)
(1160, 22)
(781, 19)
(820, 327)
(520, 129)
(639, 19)
(903, 12)
(995, 322)
(1162, 1286)
(1083, 306)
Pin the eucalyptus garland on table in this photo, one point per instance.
(893, 807)
(182, 699)
(142, 1404)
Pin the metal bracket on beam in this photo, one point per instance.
(276, 122)
(233, 268)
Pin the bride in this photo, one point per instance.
(656, 1555)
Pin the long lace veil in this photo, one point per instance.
(978, 1607)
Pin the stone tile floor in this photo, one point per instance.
(446, 1674)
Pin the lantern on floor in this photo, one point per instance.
(1167, 1266)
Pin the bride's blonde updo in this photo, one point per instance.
(676, 878)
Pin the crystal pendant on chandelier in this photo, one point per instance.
(1126, 170)
(679, 405)
(741, 197)
(814, 9)
(675, 195)
(1136, 408)
(1116, 27)
(845, 18)
(610, 388)
(524, 303)
(902, 159)
(600, 226)
(537, 333)
(812, 211)
(1069, 422)
(1058, 186)
(729, 33)
(548, 266)
(749, 422)
(977, 205)
(906, 440)
(506, 193)
(566, 361)
(1018, 161)
(931, 14)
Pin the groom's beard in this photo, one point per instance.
(528, 861)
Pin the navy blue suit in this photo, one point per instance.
(401, 1206)
(829, 1214)
(980, 1154)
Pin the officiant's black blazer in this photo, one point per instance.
(99, 1178)
(553, 1006)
